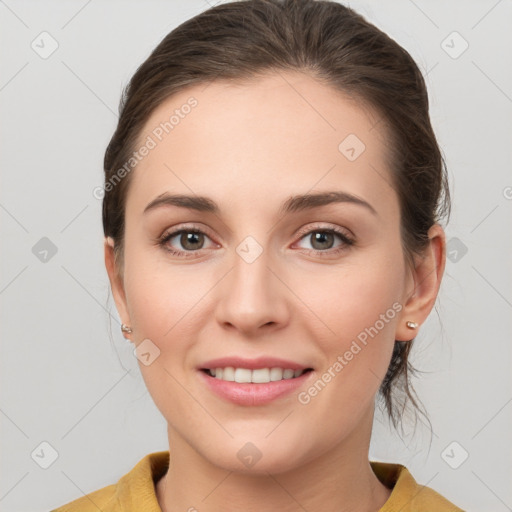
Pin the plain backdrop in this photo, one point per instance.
(73, 400)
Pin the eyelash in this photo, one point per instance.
(347, 241)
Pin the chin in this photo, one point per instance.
(254, 459)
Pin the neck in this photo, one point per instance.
(341, 480)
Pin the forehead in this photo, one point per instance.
(284, 132)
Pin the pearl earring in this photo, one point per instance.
(126, 328)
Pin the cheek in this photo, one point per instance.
(164, 297)
(360, 307)
(163, 304)
(366, 301)
(349, 299)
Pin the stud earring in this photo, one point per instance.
(411, 325)
(126, 328)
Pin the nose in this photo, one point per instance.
(253, 298)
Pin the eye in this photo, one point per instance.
(191, 240)
(323, 239)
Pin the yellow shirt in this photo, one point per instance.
(135, 491)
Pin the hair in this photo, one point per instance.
(330, 42)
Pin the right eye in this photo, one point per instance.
(191, 241)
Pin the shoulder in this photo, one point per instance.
(134, 492)
(103, 499)
(407, 495)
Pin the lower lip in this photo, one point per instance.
(250, 393)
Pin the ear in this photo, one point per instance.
(116, 282)
(424, 285)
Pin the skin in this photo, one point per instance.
(249, 147)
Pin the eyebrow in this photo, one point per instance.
(293, 204)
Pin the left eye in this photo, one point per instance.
(323, 239)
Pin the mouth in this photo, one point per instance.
(256, 386)
(256, 375)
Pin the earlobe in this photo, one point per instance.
(427, 276)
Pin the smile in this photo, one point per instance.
(260, 391)
(256, 376)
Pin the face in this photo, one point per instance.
(322, 285)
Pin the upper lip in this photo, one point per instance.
(252, 364)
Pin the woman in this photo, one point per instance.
(273, 193)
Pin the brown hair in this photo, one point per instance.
(242, 39)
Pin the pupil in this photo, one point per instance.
(189, 238)
(321, 237)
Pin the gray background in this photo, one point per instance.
(64, 382)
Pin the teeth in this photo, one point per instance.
(259, 376)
